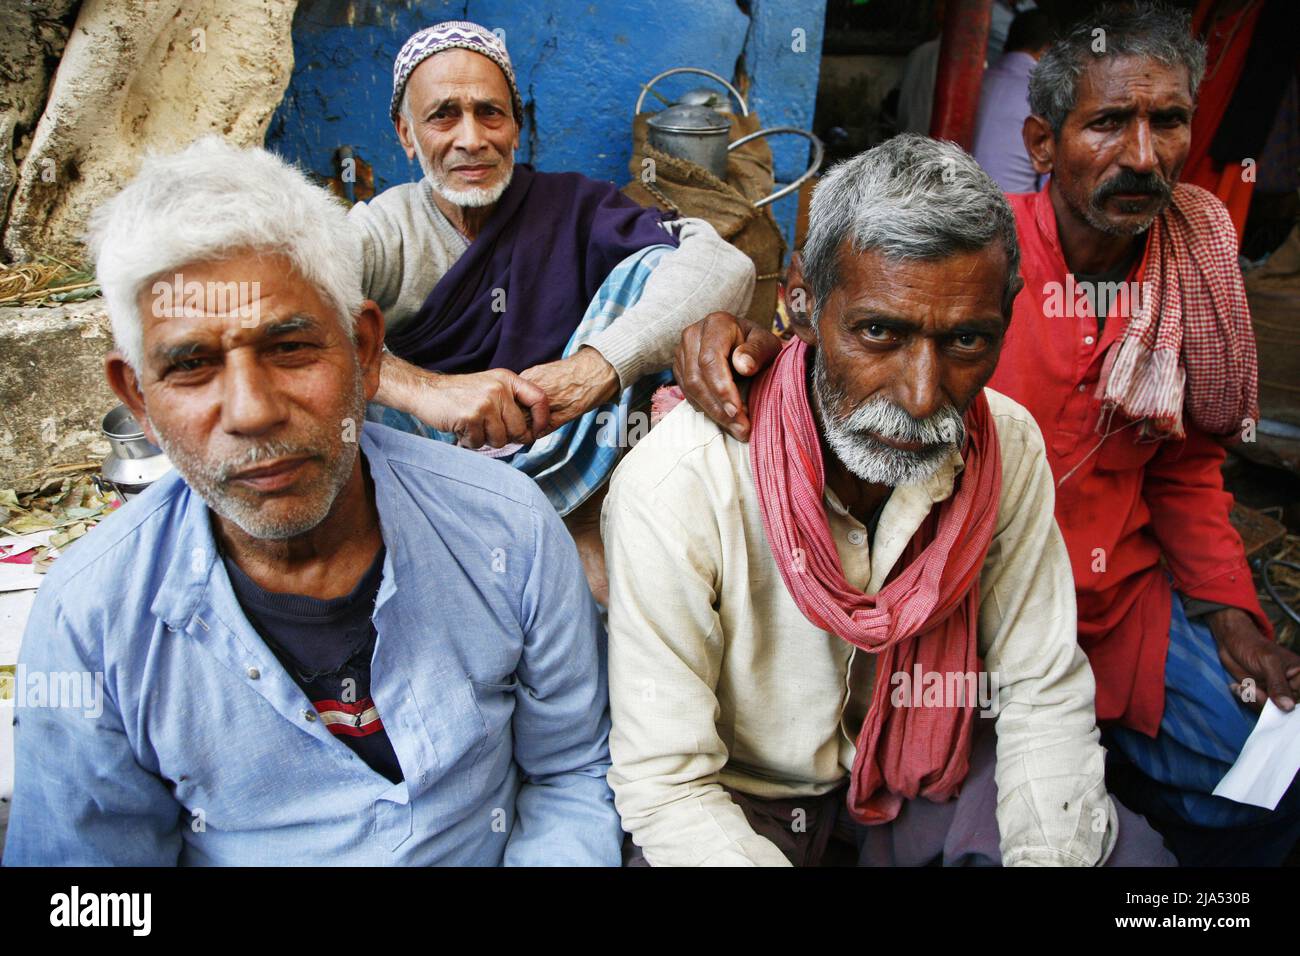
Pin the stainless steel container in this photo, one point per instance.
(689, 129)
(133, 462)
(696, 134)
(692, 130)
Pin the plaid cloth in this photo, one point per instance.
(575, 460)
(1189, 344)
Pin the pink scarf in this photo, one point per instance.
(928, 612)
(1189, 343)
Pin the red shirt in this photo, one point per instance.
(1123, 503)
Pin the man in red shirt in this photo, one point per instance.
(1133, 407)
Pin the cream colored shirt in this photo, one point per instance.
(716, 678)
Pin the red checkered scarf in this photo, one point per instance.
(927, 613)
(1189, 344)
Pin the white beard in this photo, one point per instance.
(466, 198)
(852, 436)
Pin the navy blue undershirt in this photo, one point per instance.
(326, 646)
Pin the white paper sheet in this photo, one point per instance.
(13, 545)
(20, 577)
(1268, 763)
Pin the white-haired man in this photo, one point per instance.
(520, 304)
(317, 642)
(804, 628)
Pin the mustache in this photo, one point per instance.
(459, 161)
(256, 454)
(881, 417)
(1127, 181)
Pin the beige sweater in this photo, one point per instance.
(408, 245)
(716, 678)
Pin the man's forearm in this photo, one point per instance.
(400, 382)
(1184, 493)
(665, 747)
(1052, 804)
(575, 385)
(704, 274)
(692, 823)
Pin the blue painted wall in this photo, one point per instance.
(579, 66)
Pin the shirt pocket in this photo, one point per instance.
(453, 723)
(1125, 451)
(496, 705)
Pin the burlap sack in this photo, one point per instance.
(1273, 291)
(688, 189)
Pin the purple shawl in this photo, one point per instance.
(550, 243)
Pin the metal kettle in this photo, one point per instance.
(689, 129)
(693, 131)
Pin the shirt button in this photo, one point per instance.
(1083, 388)
(254, 673)
(1088, 340)
(856, 537)
(309, 716)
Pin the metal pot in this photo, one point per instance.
(690, 130)
(133, 462)
(694, 132)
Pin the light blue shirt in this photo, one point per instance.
(488, 673)
(999, 145)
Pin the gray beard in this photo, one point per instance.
(852, 437)
(209, 480)
(1099, 222)
(1096, 217)
(466, 198)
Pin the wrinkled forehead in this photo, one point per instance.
(1125, 81)
(458, 75)
(962, 285)
(225, 304)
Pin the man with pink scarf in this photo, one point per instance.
(813, 636)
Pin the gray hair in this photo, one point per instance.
(207, 202)
(1146, 29)
(911, 197)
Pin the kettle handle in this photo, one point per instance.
(645, 87)
(818, 153)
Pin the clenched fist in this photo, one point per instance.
(493, 408)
